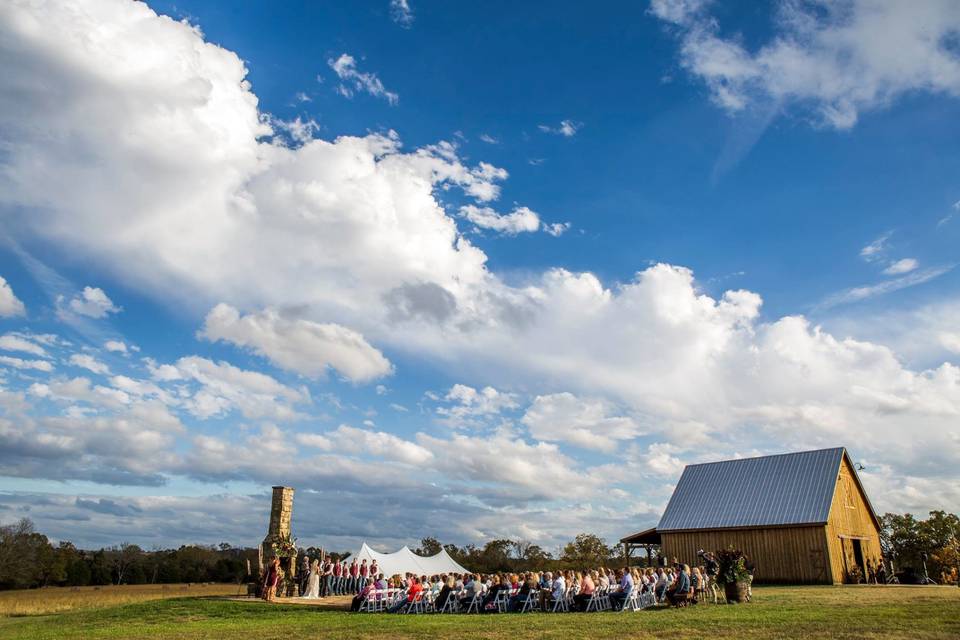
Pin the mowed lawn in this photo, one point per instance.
(777, 612)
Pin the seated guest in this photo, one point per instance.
(471, 587)
(558, 591)
(413, 592)
(662, 585)
(444, 594)
(361, 597)
(619, 598)
(495, 588)
(696, 580)
(682, 588)
(587, 587)
(516, 602)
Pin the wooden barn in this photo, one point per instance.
(802, 517)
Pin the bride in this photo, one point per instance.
(313, 583)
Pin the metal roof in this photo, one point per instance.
(787, 489)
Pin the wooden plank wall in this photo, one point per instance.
(792, 555)
(850, 518)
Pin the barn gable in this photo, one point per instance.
(783, 490)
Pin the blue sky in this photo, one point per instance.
(477, 271)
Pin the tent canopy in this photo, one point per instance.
(405, 561)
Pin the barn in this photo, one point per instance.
(802, 517)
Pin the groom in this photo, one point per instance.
(304, 573)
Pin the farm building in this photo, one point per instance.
(802, 517)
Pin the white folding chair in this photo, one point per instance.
(502, 601)
(530, 603)
(452, 605)
(474, 606)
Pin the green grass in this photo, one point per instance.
(777, 612)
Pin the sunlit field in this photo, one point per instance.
(33, 602)
(777, 612)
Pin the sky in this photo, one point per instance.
(468, 270)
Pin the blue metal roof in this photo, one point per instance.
(788, 489)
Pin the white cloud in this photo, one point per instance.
(401, 13)
(904, 265)
(567, 128)
(489, 139)
(93, 303)
(20, 363)
(556, 229)
(118, 346)
(468, 402)
(224, 387)
(19, 342)
(353, 80)
(86, 361)
(520, 220)
(298, 345)
(837, 59)
(876, 248)
(10, 305)
(864, 292)
(352, 231)
(587, 423)
(378, 443)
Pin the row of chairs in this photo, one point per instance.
(379, 601)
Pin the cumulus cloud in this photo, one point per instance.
(354, 80)
(520, 220)
(20, 363)
(833, 59)
(118, 346)
(20, 342)
(93, 303)
(587, 423)
(10, 305)
(467, 402)
(298, 345)
(180, 189)
(401, 13)
(556, 229)
(86, 361)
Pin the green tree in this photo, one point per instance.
(586, 551)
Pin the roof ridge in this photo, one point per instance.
(772, 455)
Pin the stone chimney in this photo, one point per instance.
(281, 508)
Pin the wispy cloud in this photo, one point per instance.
(858, 294)
(486, 137)
(906, 265)
(945, 219)
(567, 128)
(401, 13)
(354, 80)
(876, 249)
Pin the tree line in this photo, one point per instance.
(28, 559)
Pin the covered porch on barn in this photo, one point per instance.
(643, 542)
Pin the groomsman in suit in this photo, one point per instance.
(304, 573)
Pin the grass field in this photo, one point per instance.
(777, 612)
(59, 599)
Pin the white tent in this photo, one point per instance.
(405, 561)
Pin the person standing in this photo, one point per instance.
(304, 573)
(374, 569)
(364, 569)
(338, 578)
(327, 577)
(354, 576)
(270, 580)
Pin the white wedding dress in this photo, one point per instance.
(313, 585)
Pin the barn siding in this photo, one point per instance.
(786, 554)
(850, 518)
